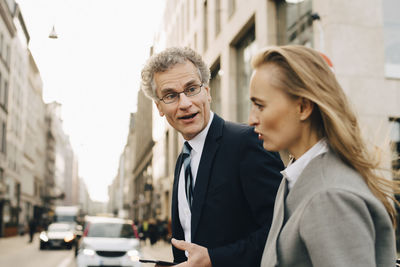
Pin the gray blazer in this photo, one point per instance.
(329, 218)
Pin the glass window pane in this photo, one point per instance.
(391, 31)
(246, 48)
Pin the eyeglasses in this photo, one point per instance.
(174, 96)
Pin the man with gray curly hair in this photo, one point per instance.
(225, 182)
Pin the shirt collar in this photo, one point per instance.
(295, 168)
(198, 141)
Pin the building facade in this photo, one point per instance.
(362, 38)
(7, 33)
(20, 185)
(31, 135)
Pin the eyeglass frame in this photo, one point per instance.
(179, 94)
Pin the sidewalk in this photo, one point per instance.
(160, 251)
(18, 242)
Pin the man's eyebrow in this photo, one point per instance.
(167, 90)
(191, 82)
(173, 90)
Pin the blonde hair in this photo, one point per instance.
(303, 72)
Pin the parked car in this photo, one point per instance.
(58, 235)
(108, 241)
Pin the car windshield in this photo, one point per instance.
(114, 230)
(56, 227)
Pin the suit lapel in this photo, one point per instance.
(174, 209)
(204, 171)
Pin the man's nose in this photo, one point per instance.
(184, 101)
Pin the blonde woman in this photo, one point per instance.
(332, 209)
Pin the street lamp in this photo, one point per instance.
(53, 34)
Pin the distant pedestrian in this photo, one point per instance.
(153, 232)
(32, 229)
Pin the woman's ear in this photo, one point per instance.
(306, 108)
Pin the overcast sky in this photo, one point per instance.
(93, 70)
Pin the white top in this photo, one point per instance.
(294, 169)
(197, 144)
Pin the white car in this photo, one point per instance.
(58, 235)
(109, 242)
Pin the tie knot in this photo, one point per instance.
(187, 148)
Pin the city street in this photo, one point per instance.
(17, 252)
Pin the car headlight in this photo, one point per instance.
(133, 255)
(69, 237)
(88, 252)
(43, 237)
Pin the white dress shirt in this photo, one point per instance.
(294, 169)
(197, 144)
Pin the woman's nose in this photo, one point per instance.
(252, 119)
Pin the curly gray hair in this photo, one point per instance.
(165, 60)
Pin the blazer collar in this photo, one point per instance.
(310, 179)
(270, 257)
(204, 172)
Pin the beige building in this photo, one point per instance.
(37, 164)
(142, 180)
(20, 185)
(132, 193)
(362, 38)
(34, 147)
(7, 33)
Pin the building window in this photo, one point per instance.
(395, 149)
(182, 23)
(245, 49)
(217, 17)
(3, 138)
(391, 32)
(215, 87)
(395, 146)
(3, 93)
(1, 44)
(205, 27)
(188, 16)
(195, 41)
(1, 90)
(36, 188)
(17, 192)
(8, 55)
(294, 22)
(231, 7)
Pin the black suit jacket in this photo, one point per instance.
(233, 197)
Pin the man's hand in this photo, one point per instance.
(197, 255)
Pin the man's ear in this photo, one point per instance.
(207, 88)
(159, 108)
(306, 107)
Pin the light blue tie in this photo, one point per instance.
(188, 173)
